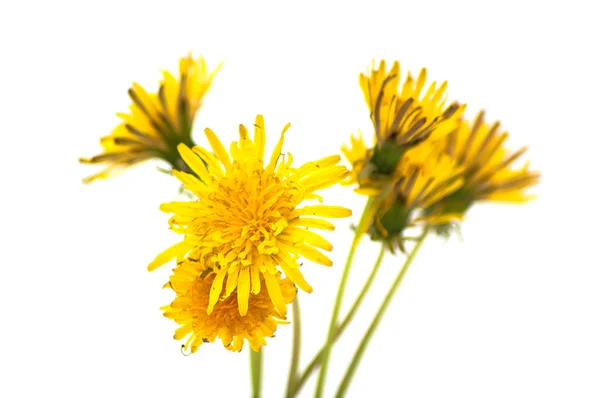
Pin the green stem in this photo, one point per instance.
(256, 372)
(345, 383)
(296, 340)
(338, 303)
(316, 361)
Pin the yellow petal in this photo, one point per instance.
(510, 197)
(214, 167)
(307, 252)
(312, 223)
(181, 302)
(232, 280)
(189, 209)
(276, 152)
(325, 178)
(215, 289)
(255, 279)
(309, 237)
(243, 291)
(178, 249)
(322, 163)
(368, 191)
(321, 211)
(274, 290)
(193, 161)
(219, 149)
(183, 331)
(243, 134)
(420, 81)
(191, 183)
(259, 137)
(290, 269)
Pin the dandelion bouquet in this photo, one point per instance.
(252, 219)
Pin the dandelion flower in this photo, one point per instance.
(188, 309)
(157, 122)
(401, 119)
(405, 117)
(425, 176)
(406, 169)
(248, 222)
(479, 149)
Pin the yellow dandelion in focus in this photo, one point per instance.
(489, 174)
(188, 309)
(247, 224)
(157, 122)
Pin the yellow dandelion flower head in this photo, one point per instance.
(248, 222)
(489, 173)
(420, 170)
(402, 118)
(157, 121)
(408, 115)
(188, 309)
(425, 175)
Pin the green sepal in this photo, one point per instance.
(394, 220)
(458, 202)
(386, 157)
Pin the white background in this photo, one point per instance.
(511, 312)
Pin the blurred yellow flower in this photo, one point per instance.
(488, 171)
(247, 224)
(406, 169)
(157, 122)
(424, 176)
(408, 116)
(188, 309)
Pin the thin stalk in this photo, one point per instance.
(296, 343)
(345, 383)
(316, 361)
(256, 372)
(338, 302)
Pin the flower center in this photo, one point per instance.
(226, 310)
(247, 213)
